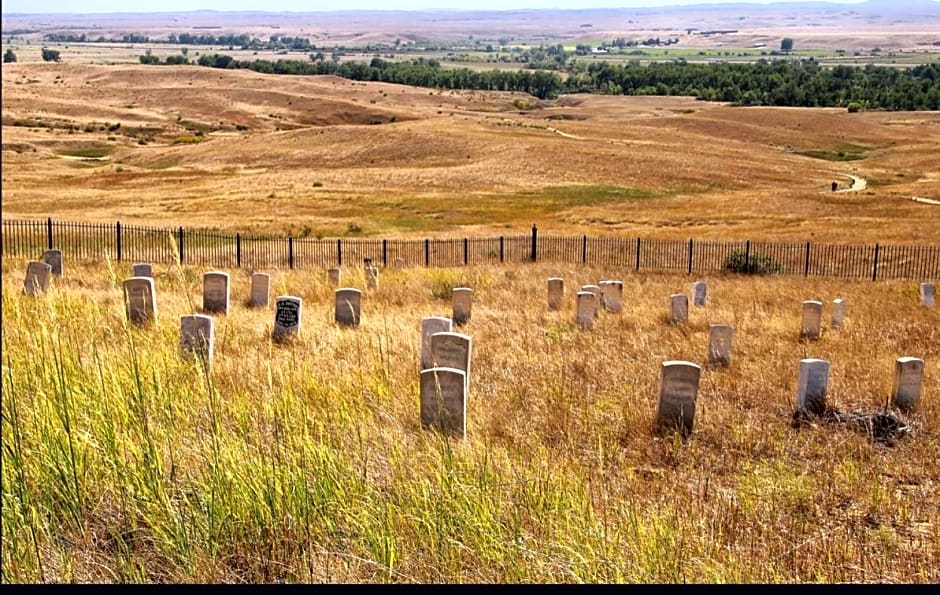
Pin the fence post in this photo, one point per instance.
(238, 250)
(638, 254)
(874, 268)
(583, 249)
(117, 229)
(690, 256)
(501, 252)
(339, 252)
(49, 233)
(747, 256)
(385, 253)
(535, 235)
(427, 252)
(806, 264)
(179, 243)
(466, 251)
(290, 252)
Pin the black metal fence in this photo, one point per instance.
(28, 239)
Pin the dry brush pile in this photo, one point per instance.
(306, 462)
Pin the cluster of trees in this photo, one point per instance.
(243, 41)
(9, 56)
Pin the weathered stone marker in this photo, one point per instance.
(140, 298)
(444, 400)
(260, 290)
(612, 292)
(37, 277)
(348, 306)
(53, 258)
(585, 306)
(678, 390)
(333, 276)
(556, 292)
(288, 314)
(452, 350)
(462, 305)
(399, 263)
(596, 290)
(838, 313)
(811, 323)
(430, 326)
(679, 308)
(927, 294)
(812, 386)
(215, 292)
(908, 382)
(197, 336)
(372, 277)
(143, 269)
(719, 344)
(699, 293)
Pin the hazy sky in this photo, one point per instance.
(87, 6)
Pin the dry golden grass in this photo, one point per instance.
(279, 153)
(306, 462)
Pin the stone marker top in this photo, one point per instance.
(348, 290)
(463, 289)
(675, 363)
(815, 303)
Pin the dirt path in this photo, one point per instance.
(928, 201)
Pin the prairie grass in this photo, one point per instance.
(124, 461)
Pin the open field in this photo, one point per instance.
(307, 461)
(238, 150)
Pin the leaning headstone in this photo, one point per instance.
(143, 269)
(260, 290)
(613, 296)
(399, 263)
(908, 381)
(452, 350)
(333, 276)
(53, 258)
(37, 277)
(444, 400)
(556, 292)
(812, 386)
(348, 306)
(838, 312)
(430, 326)
(719, 344)
(927, 294)
(678, 390)
(141, 300)
(585, 306)
(462, 305)
(372, 276)
(215, 292)
(679, 308)
(811, 324)
(197, 335)
(288, 313)
(699, 293)
(596, 290)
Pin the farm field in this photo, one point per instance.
(306, 461)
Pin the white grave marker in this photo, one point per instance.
(197, 336)
(143, 269)
(141, 300)
(462, 305)
(927, 294)
(908, 382)
(719, 344)
(215, 292)
(399, 263)
(585, 306)
(596, 290)
(613, 295)
(812, 386)
(679, 308)
(372, 277)
(348, 306)
(811, 324)
(333, 276)
(430, 326)
(444, 400)
(556, 292)
(260, 290)
(37, 277)
(699, 293)
(288, 314)
(678, 390)
(838, 312)
(53, 258)
(452, 350)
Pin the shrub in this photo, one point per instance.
(854, 107)
(755, 264)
